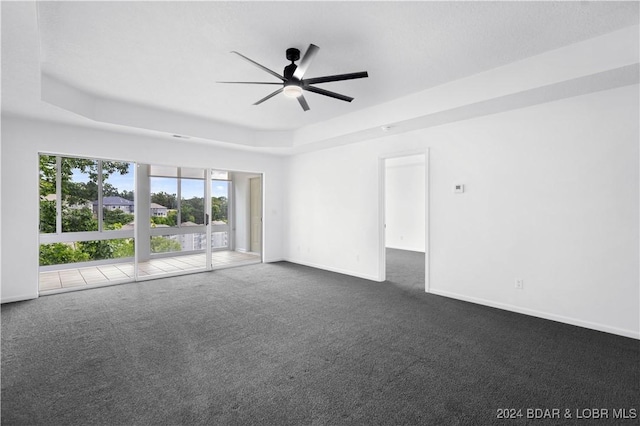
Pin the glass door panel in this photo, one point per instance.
(220, 226)
(177, 228)
(192, 208)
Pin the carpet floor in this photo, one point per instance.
(283, 344)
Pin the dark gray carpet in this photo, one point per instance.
(280, 344)
(405, 269)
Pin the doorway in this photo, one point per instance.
(404, 252)
(245, 221)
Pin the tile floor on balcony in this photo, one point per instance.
(123, 272)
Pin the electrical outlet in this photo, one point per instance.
(520, 284)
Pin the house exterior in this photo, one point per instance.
(158, 210)
(114, 203)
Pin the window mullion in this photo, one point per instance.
(100, 212)
(178, 204)
(58, 194)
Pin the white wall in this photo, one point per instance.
(405, 195)
(551, 197)
(23, 139)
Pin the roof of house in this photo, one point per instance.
(156, 206)
(114, 201)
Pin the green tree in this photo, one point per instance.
(192, 210)
(127, 195)
(169, 201)
(219, 208)
(78, 220)
(164, 245)
(47, 216)
(122, 247)
(114, 219)
(59, 253)
(47, 175)
(96, 250)
(80, 192)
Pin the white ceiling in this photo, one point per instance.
(168, 55)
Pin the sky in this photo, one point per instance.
(190, 187)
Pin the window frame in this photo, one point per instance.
(101, 234)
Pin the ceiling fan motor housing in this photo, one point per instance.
(293, 55)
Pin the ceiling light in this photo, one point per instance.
(292, 91)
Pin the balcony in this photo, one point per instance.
(116, 273)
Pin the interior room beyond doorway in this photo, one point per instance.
(405, 195)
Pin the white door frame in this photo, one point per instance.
(251, 206)
(382, 255)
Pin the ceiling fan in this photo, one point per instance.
(293, 82)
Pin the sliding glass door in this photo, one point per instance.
(94, 231)
(177, 222)
(221, 238)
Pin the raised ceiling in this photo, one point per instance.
(153, 66)
(169, 55)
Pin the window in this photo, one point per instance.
(79, 190)
(81, 199)
(48, 194)
(177, 196)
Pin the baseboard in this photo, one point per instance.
(18, 298)
(332, 269)
(540, 314)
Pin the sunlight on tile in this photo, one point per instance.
(123, 272)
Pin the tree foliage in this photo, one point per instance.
(164, 245)
(220, 209)
(192, 210)
(169, 201)
(58, 253)
(78, 191)
(114, 219)
(78, 220)
(47, 216)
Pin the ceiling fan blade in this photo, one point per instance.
(262, 67)
(269, 96)
(308, 57)
(338, 77)
(247, 82)
(303, 103)
(327, 93)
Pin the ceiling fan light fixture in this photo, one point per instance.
(292, 91)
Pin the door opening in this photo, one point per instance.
(405, 234)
